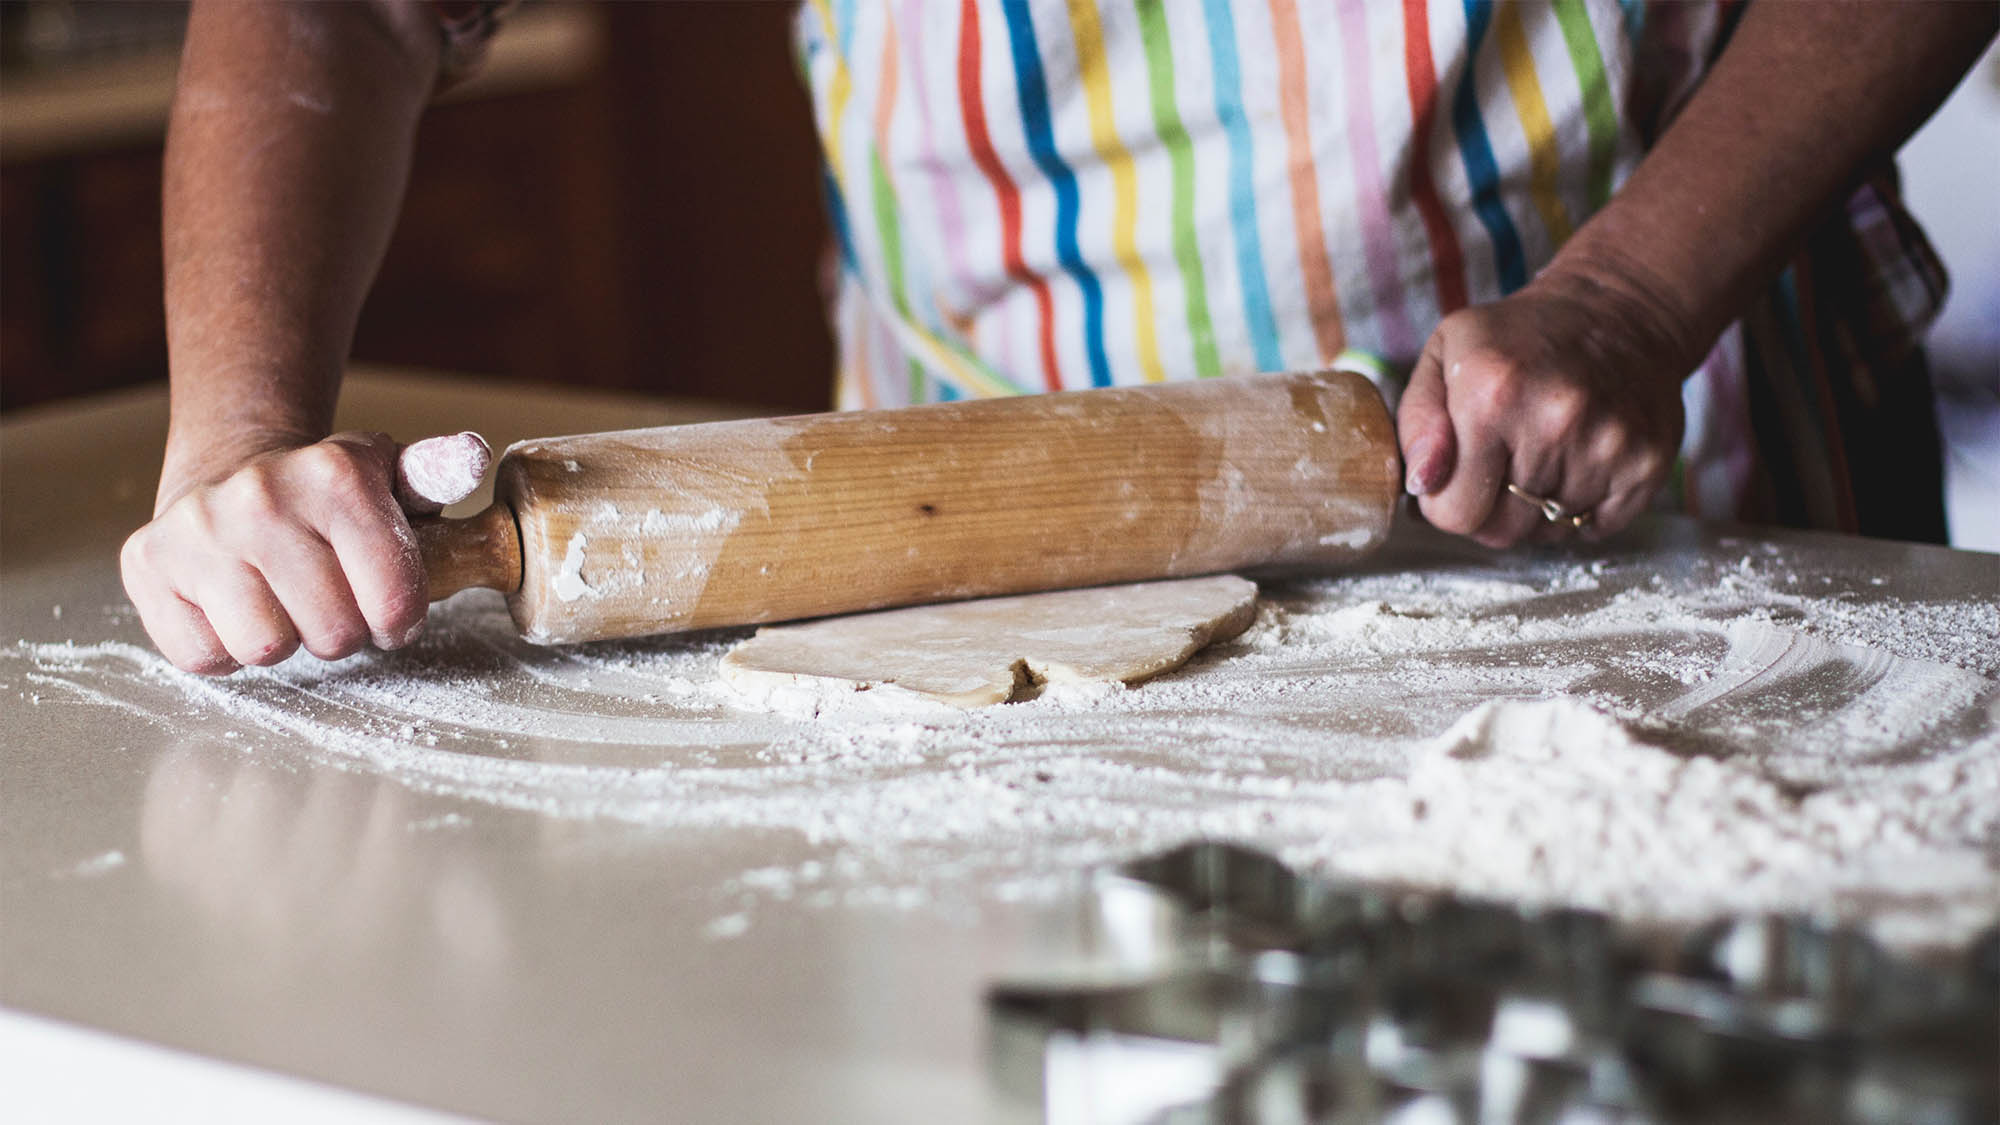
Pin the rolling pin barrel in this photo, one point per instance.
(736, 523)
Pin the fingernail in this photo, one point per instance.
(1417, 459)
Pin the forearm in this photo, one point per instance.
(1803, 101)
(287, 153)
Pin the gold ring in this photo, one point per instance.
(1552, 510)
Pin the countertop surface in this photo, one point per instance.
(583, 885)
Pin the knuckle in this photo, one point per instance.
(1455, 324)
(273, 650)
(1493, 392)
(1560, 410)
(269, 640)
(1447, 517)
(252, 499)
(1483, 358)
(324, 466)
(136, 554)
(205, 662)
(344, 639)
(148, 553)
(399, 614)
(192, 521)
(1652, 464)
(1614, 440)
(336, 470)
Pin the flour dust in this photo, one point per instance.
(1540, 730)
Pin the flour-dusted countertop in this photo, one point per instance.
(590, 883)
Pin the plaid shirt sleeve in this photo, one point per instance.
(1902, 283)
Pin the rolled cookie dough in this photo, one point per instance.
(970, 654)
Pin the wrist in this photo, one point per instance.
(203, 448)
(193, 462)
(1623, 290)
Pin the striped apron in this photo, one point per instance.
(1034, 195)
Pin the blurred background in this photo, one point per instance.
(627, 197)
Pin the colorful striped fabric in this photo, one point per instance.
(1064, 193)
(1045, 194)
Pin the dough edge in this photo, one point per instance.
(800, 692)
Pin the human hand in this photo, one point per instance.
(1568, 390)
(293, 545)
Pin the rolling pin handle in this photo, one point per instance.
(480, 551)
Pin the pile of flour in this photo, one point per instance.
(1724, 740)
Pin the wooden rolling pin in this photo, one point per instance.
(735, 523)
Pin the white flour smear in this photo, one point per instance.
(1667, 749)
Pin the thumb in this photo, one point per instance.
(1423, 426)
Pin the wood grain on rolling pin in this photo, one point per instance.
(732, 523)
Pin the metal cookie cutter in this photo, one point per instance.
(1220, 985)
